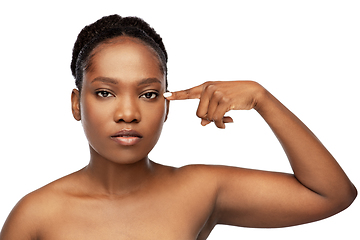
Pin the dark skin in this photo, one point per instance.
(122, 194)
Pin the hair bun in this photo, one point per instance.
(104, 24)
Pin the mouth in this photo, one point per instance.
(127, 137)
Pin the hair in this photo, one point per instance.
(110, 27)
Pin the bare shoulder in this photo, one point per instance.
(23, 219)
(199, 169)
(32, 211)
(197, 173)
(212, 174)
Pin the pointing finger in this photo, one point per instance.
(191, 93)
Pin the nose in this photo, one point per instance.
(127, 110)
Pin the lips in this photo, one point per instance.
(127, 137)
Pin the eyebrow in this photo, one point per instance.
(148, 81)
(104, 80)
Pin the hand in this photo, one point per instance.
(217, 98)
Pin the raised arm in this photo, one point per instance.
(319, 187)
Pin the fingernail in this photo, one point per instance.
(167, 94)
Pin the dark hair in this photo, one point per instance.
(110, 27)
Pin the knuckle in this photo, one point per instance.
(208, 83)
(200, 114)
(209, 86)
(217, 118)
(225, 99)
(218, 94)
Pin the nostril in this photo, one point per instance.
(134, 121)
(128, 120)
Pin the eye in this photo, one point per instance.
(104, 94)
(150, 95)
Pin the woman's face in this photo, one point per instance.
(121, 105)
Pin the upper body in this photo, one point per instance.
(122, 194)
(172, 204)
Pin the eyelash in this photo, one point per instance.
(152, 96)
(99, 93)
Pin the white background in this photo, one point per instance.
(306, 53)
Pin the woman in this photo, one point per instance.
(122, 101)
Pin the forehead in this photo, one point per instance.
(124, 58)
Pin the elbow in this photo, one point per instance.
(347, 198)
(352, 195)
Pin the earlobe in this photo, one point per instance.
(75, 104)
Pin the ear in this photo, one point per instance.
(75, 104)
(167, 109)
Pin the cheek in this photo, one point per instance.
(160, 112)
(93, 117)
(155, 117)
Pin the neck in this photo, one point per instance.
(110, 178)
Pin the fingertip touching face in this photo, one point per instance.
(121, 105)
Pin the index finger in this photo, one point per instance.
(191, 93)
